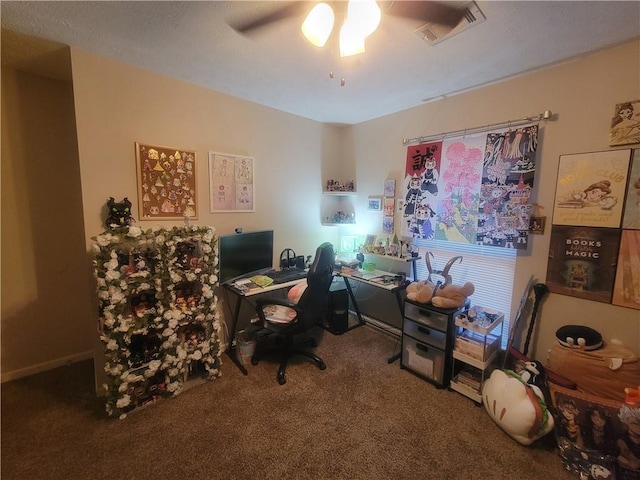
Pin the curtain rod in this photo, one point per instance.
(546, 115)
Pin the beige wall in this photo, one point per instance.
(582, 95)
(117, 105)
(46, 296)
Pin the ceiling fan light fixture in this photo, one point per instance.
(364, 15)
(351, 42)
(318, 25)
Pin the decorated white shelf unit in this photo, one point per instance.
(158, 315)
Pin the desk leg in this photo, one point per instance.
(353, 300)
(231, 350)
(394, 357)
(397, 355)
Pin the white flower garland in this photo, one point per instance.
(155, 273)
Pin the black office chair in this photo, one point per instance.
(289, 320)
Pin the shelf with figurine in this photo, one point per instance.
(336, 188)
(394, 249)
(340, 218)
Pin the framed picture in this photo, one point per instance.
(231, 183)
(590, 189)
(166, 183)
(536, 225)
(375, 203)
(626, 289)
(631, 213)
(370, 240)
(625, 124)
(582, 261)
(389, 206)
(387, 224)
(389, 188)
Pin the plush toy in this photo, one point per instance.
(534, 374)
(119, 214)
(632, 396)
(579, 336)
(420, 291)
(516, 407)
(447, 296)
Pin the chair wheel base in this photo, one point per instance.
(322, 366)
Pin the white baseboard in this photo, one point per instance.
(43, 367)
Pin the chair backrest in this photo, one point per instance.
(315, 298)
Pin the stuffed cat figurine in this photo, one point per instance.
(119, 214)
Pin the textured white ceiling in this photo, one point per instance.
(278, 68)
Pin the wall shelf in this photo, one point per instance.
(339, 193)
(392, 257)
(335, 202)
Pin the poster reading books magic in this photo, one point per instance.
(582, 261)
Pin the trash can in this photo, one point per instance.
(245, 346)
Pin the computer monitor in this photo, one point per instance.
(242, 253)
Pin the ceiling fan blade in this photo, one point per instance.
(250, 25)
(427, 12)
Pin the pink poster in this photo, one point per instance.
(460, 181)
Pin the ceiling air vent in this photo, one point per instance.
(433, 33)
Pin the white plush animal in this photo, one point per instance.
(516, 407)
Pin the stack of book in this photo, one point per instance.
(471, 378)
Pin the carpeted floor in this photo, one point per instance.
(361, 418)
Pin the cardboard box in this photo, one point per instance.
(473, 344)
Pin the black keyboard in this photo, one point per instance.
(287, 275)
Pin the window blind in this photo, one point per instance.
(490, 269)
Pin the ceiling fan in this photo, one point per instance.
(357, 19)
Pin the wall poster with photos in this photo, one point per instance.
(595, 240)
(166, 183)
(231, 183)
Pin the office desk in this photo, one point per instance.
(372, 278)
(246, 297)
(365, 277)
